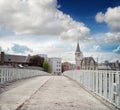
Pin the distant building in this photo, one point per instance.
(78, 56)
(16, 60)
(86, 63)
(44, 56)
(13, 60)
(54, 62)
(103, 66)
(109, 66)
(117, 65)
(67, 66)
(72, 66)
(55, 65)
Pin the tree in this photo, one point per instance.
(47, 67)
(36, 61)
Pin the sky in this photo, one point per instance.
(54, 27)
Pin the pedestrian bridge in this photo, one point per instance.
(74, 90)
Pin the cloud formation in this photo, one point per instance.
(95, 48)
(39, 17)
(111, 17)
(117, 50)
(99, 17)
(20, 49)
(112, 37)
(0, 49)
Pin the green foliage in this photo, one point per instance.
(36, 61)
(47, 67)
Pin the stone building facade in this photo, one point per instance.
(84, 63)
(55, 64)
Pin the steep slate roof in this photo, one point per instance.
(113, 66)
(78, 48)
(87, 60)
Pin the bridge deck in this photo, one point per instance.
(49, 93)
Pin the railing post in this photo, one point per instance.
(1, 76)
(119, 90)
(104, 83)
(10, 74)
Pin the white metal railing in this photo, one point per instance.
(104, 83)
(11, 74)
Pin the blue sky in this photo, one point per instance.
(53, 27)
(85, 11)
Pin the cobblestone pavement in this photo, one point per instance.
(61, 93)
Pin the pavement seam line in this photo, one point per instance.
(21, 105)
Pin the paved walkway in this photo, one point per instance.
(49, 93)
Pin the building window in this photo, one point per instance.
(114, 78)
(115, 88)
(102, 84)
(108, 85)
(9, 59)
(114, 98)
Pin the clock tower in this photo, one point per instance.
(78, 56)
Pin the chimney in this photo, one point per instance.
(2, 57)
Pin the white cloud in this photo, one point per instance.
(111, 17)
(79, 32)
(115, 59)
(103, 56)
(112, 37)
(52, 47)
(55, 48)
(95, 48)
(99, 17)
(0, 48)
(42, 17)
(117, 50)
(105, 38)
(22, 49)
(39, 17)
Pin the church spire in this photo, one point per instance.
(78, 48)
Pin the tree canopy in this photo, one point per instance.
(47, 67)
(36, 61)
